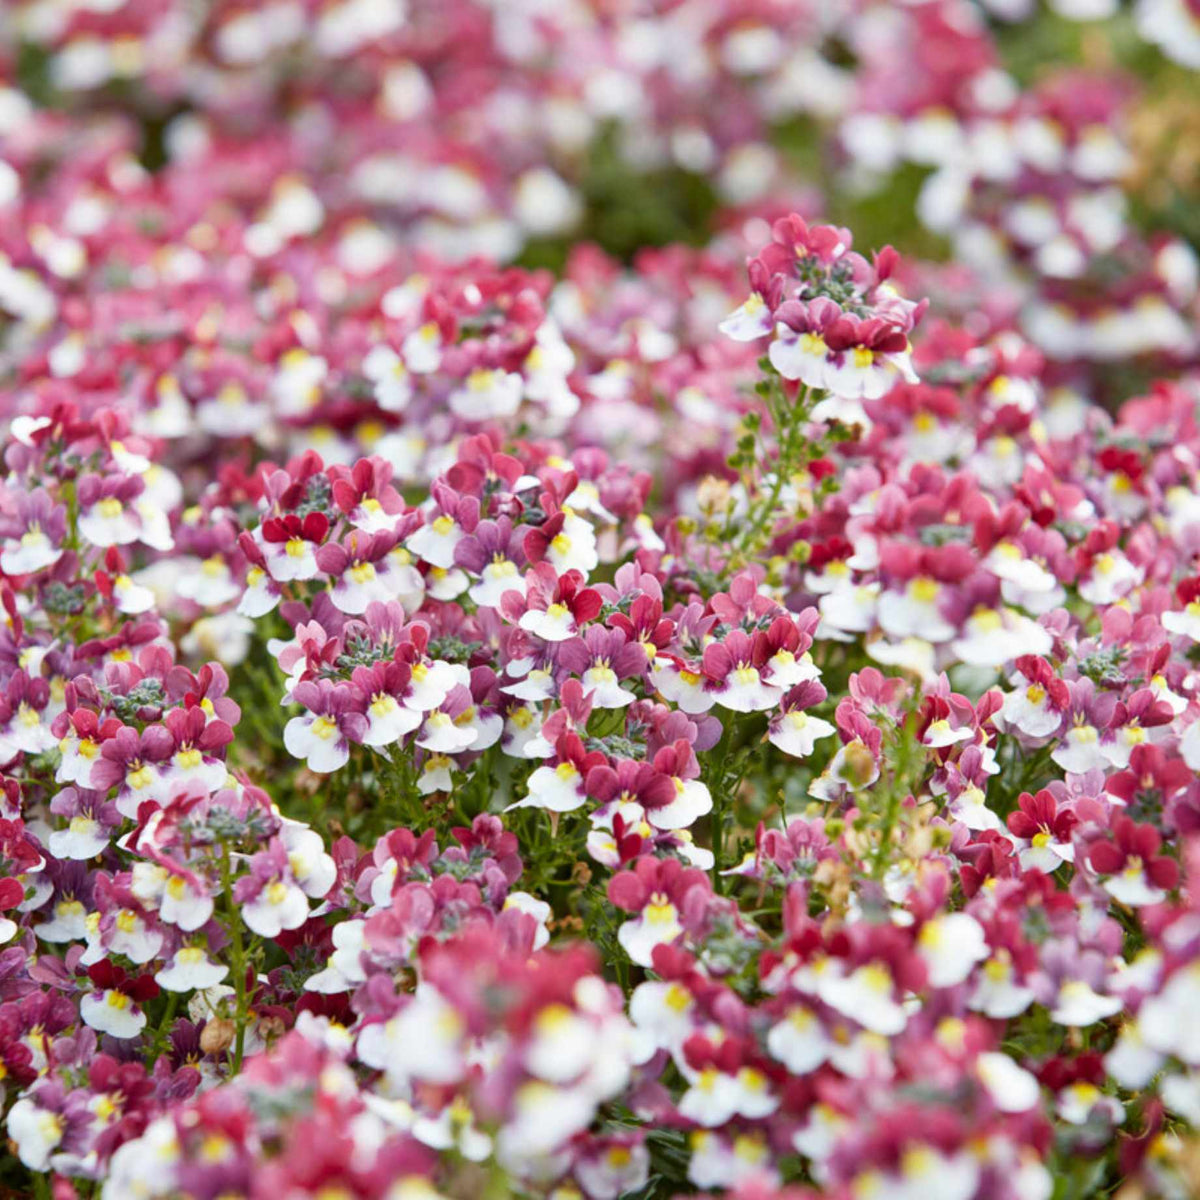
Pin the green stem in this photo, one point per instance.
(163, 1032)
(784, 417)
(239, 958)
(71, 541)
(896, 794)
(720, 809)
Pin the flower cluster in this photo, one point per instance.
(723, 721)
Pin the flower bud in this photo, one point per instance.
(217, 1035)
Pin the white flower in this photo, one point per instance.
(749, 321)
(995, 994)
(1079, 1006)
(799, 1040)
(112, 1012)
(183, 904)
(1079, 750)
(664, 1010)
(432, 682)
(28, 731)
(712, 1098)
(313, 869)
(536, 686)
(134, 938)
(1166, 1021)
(573, 548)
(435, 775)
(436, 541)
(1028, 710)
(108, 522)
(606, 692)
(951, 945)
(388, 721)
(295, 559)
(499, 576)
(746, 691)
(915, 612)
(36, 1131)
(865, 995)
(443, 735)
(392, 384)
(132, 597)
(1132, 887)
(279, 905)
(1131, 1062)
(343, 972)
(818, 1137)
(683, 688)
(422, 349)
(656, 925)
(1012, 1088)
(558, 789)
(927, 1174)
(423, 1041)
(487, 395)
(83, 838)
(30, 553)
(850, 608)
(209, 583)
(834, 782)
(317, 740)
(970, 807)
(692, 801)
(555, 624)
(1112, 576)
(1181, 1094)
(454, 1129)
(190, 968)
(992, 637)
(560, 1046)
(67, 924)
(941, 733)
(362, 584)
(544, 1117)
(1078, 1101)
(522, 727)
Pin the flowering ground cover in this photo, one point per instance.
(541, 657)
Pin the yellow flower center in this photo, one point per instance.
(324, 728)
(923, 589)
(140, 777)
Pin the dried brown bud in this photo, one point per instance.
(217, 1035)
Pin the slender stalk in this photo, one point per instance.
(786, 418)
(163, 1032)
(71, 541)
(239, 958)
(896, 794)
(720, 810)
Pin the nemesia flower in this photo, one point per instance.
(380, 358)
(333, 719)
